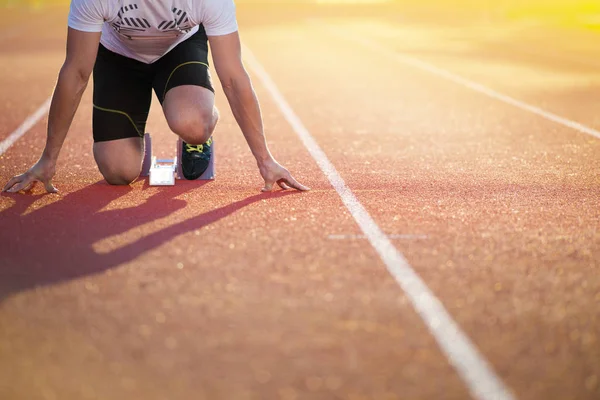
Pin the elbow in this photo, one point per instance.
(227, 84)
(237, 84)
(79, 76)
(83, 76)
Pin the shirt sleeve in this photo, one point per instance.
(219, 17)
(86, 15)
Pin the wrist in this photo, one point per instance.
(49, 156)
(264, 159)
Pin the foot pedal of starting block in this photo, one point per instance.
(208, 175)
(162, 172)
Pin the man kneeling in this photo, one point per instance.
(133, 48)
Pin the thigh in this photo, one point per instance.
(185, 65)
(122, 96)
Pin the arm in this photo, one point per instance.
(82, 48)
(226, 53)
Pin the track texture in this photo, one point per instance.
(216, 291)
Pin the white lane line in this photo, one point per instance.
(392, 236)
(461, 352)
(414, 62)
(25, 126)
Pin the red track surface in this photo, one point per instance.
(215, 291)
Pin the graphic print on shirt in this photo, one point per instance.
(180, 22)
(130, 23)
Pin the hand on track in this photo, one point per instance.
(272, 172)
(42, 171)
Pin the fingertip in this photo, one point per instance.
(50, 188)
(301, 187)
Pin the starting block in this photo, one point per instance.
(162, 172)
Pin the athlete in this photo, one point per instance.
(136, 46)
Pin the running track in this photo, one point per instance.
(473, 149)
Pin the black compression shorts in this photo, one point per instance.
(123, 86)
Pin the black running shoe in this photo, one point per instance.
(195, 159)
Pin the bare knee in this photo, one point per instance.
(194, 127)
(119, 161)
(120, 178)
(119, 174)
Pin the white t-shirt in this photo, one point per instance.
(146, 30)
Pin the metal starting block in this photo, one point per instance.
(164, 171)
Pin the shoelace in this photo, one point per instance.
(190, 148)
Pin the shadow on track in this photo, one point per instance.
(55, 243)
